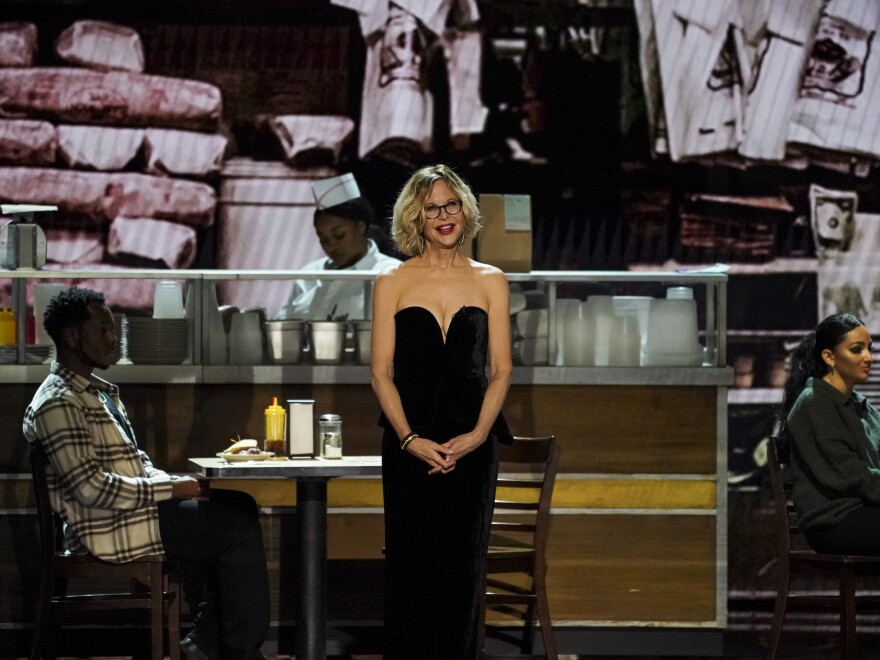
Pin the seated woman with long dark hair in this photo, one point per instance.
(834, 434)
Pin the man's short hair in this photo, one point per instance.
(69, 308)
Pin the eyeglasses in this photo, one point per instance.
(451, 207)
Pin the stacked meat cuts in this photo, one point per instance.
(123, 154)
(131, 160)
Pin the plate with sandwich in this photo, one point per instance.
(243, 451)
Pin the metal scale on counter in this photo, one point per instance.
(22, 241)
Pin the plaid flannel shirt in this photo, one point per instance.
(103, 487)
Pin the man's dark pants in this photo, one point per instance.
(223, 533)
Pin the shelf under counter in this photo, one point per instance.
(360, 375)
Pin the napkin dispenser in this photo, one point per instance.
(22, 242)
(301, 425)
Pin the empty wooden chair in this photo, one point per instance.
(152, 587)
(794, 559)
(515, 583)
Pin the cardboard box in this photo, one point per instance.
(506, 238)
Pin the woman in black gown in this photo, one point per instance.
(436, 318)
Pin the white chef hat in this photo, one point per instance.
(335, 190)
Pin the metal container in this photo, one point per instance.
(246, 339)
(327, 341)
(330, 428)
(285, 341)
(362, 337)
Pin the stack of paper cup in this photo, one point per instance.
(563, 309)
(637, 306)
(673, 334)
(579, 340)
(625, 345)
(601, 310)
(168, 300)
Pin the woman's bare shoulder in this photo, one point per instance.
(396, 277)
(488, 271)
(390, 272)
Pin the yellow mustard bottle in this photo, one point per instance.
(275, 418)
(7, 327)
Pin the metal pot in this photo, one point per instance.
(327, 341)
(285, 341)
(362, 337)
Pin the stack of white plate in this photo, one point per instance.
(157, 341)
(34, 354)
(121, 328)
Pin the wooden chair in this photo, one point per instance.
(519, 538)
(793, 560)
(58, 565)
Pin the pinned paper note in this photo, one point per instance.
(517, 213)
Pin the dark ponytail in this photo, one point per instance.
(806, 361)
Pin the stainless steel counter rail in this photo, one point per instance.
(347, 374)
(715, 283)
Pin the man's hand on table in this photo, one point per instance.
(187, 488)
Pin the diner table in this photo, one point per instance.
(311, 476)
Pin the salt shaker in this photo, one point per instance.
(330, 426)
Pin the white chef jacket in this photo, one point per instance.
(320, 300)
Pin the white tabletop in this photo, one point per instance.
(296, 468)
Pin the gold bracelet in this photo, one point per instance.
(408, 438)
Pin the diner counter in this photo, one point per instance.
(639, 527)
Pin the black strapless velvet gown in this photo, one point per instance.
(437, 526)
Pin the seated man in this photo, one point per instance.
(117, 506)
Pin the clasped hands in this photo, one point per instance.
(443, 457)
(187, 488)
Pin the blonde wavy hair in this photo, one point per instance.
(408, 217)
